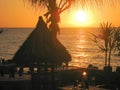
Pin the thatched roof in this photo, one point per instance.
(39, 47)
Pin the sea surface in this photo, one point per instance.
(76, 40)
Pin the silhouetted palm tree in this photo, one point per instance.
(105, 40)
(117, 37)
(56, 7)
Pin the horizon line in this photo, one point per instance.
(34, 27)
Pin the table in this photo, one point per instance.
(7, 68)
(16, 83)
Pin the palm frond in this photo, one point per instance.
(80, 3)
(38, 2)
(95, 3)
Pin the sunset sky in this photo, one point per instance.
(17, 13)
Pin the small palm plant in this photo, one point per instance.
(105, 40)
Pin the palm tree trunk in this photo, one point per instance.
(106, 58)
(54, 27)
(109, 58)
(106, 51)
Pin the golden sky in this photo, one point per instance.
(16, 13)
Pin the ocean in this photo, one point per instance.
(76, 40)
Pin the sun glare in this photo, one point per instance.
(80, 18)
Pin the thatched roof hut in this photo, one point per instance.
(39, 47)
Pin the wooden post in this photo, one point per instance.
(53, 77)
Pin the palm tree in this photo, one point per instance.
(105, 40)
(54, 9)
(111, 42)
(117, 37)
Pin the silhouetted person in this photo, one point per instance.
(86, 85)
(76, 83)
(2, 73)
(31, 69)
(3, 60)
(12, 73)
(21, 71)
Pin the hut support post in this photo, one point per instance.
(53, 77)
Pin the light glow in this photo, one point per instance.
(84, 73)
(80, 18)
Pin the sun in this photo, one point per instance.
(80, 17)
